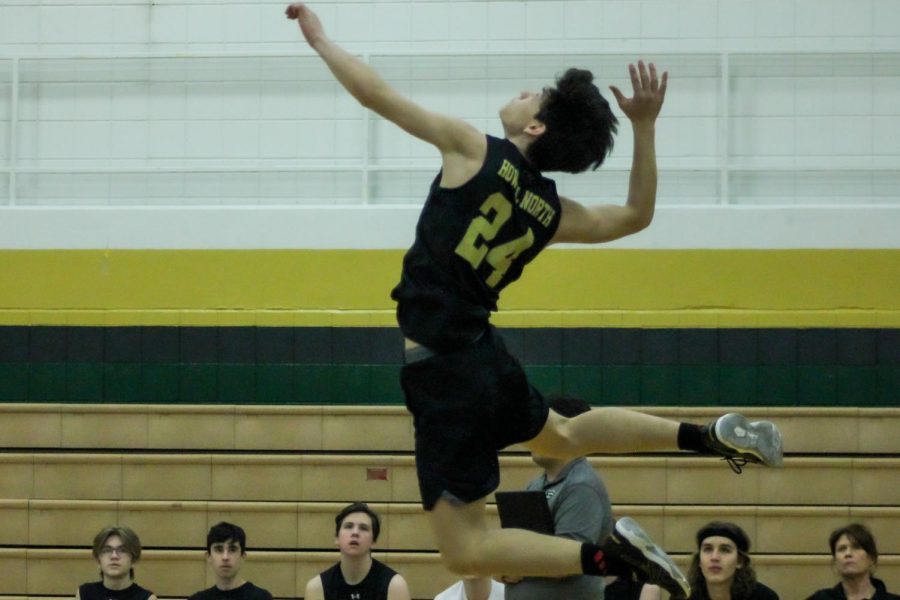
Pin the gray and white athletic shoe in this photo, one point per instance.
(648, 562)
(741, 441)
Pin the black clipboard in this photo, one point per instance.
(525, 510)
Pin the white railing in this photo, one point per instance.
(698, 159)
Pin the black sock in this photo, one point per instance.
(692, 437)
(593, 560)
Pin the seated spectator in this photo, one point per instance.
(226, 549)
(580, 507)
(473, 588)
(854, 556)
(721, 569)
(621, 589)
(116, 550)
(357, 576)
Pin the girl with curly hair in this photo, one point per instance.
(721, 568)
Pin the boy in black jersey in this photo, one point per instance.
(116, 550)
(357, 576)
(226, 548)
(489, 212)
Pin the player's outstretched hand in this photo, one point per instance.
(308, 21)
(649, 93)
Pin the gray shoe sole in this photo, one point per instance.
(760, 439)
(628, 529)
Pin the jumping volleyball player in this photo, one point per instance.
(489, 212)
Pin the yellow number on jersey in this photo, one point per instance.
(475, 248)
(503, 255)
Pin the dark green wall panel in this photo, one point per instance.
(321, 365)
(13, 382)
(621, 385)
(738, 386)
(857, 386)
(384, 384)
(160, 383)
(198, 383)
(547, 379)
(276, 384)
(776, 385)
(314, 384)
(84, 382)
(583, 381)
(47, 382)
(699, 385)
(236, 384)
(349, 384)
(659, 385)
(889, 380)
(816, 386)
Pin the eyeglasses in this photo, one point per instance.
(117, 550)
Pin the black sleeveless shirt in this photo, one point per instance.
(471, 242)
(373, 587)
(98, 591)
(247, 591)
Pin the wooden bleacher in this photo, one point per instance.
(282, 473)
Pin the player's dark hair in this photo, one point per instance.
(222, 532)
(580, 126)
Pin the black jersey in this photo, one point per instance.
(247, 591)
(373, 587)
(837, 592)
(471, 242)
(98, 591)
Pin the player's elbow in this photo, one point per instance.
(627, 223)
(636, 219)
(642, 221)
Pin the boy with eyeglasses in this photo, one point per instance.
(116, 550)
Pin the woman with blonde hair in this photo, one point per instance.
(116, 550)
(721, 568)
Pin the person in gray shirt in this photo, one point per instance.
(581, 511)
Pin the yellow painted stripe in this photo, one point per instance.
(199, 279)
(680, 288)
(711, 279)
(510, 318)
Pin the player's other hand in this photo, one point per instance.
(649, 93)
(308, 21)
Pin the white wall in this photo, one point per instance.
(210, 124)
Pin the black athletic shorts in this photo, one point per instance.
(467, 405)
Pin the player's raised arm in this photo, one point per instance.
(604, 223)
(448, 134)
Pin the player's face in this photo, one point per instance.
(520, 111)
(226, 558)
(719, 559)
(114, 560)
(850, 559)
(355, 537)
